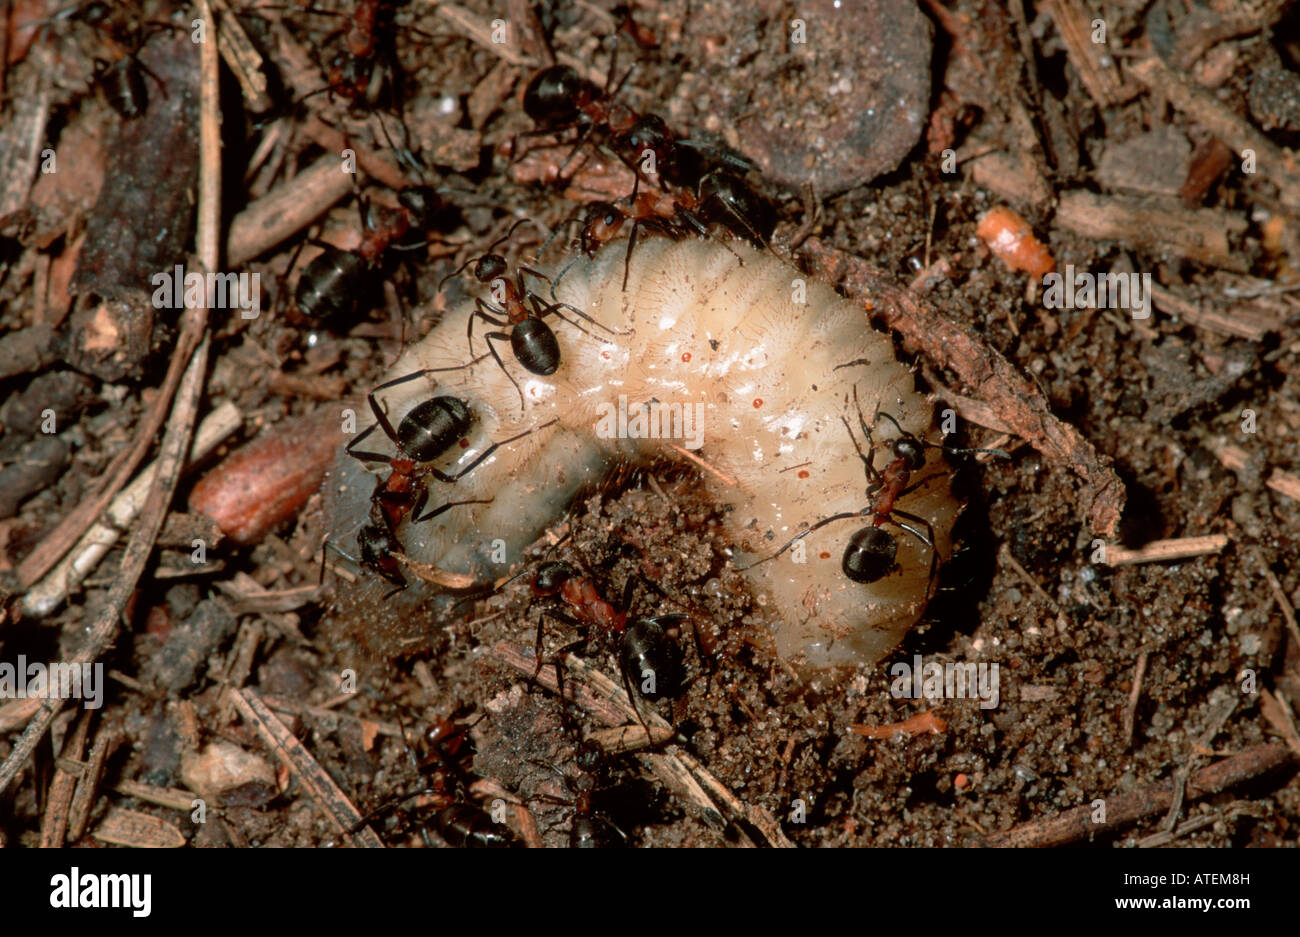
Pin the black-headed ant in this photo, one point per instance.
(590, 828)
(123, 79)
(426, 433)
(721, 198)
(871, 553)
(532, 340)
(649, 649)
(333, 286)
(460, 823)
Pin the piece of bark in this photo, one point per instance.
(1167, 233)
(143, 218)
(265, 483)
(132, 828)
(38, 465)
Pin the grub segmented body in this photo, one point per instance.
(770, 377)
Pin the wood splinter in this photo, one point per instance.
(1161, 550)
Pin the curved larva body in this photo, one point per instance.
(772, 378)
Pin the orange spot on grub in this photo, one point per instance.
(803, 473)
(758, 402)
(919, 724)
(1012, 239)
(686, 356)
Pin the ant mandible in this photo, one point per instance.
(871, 553)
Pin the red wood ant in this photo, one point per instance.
(532, 340)
(649, 649)
(123, 80)
(332, 287)
(460, 823)
(366, 70)
(871, 552)
(426, 433)
(590, 828)
(722, 198)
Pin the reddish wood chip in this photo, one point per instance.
(266, 482)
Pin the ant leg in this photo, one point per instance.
(364, 456)
(582, 138)
(450, 479)
(481, 311)
(423, 498)
(630, 690)
(541, 622)
(873, 474)
(890, 418)
(542, 311)
(460, 367)
(631, 243)
(560, 276)
(927, 539)
(502, 336)
(866, 512)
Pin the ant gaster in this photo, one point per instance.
(649, 650)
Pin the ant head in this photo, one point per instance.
(869, 555)
(551, 577)
(375, 542)
(92, 14)
(347, 76)
(911, 450)
(601, 222)
(489, 267)
(554, 96)
(422, 202)
(650, 133)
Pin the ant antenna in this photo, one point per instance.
(936, 445)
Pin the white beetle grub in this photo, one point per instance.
(749, 366)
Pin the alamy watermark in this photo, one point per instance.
(949, 680)
(194, 290)
(651, 420)
(83, 681)
(1086, 290)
